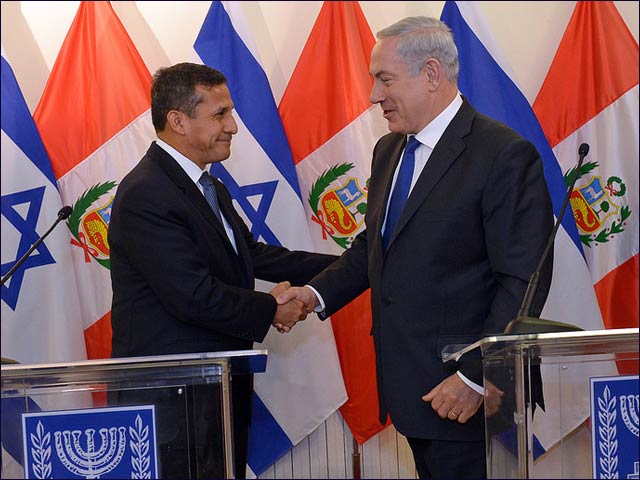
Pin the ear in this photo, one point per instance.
(433, 71)
(174, 121)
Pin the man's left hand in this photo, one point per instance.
(453, 399)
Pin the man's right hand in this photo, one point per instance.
(303, 294)
(288, 313)
(300, 297)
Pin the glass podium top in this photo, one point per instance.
(205, 365)
(588, 342)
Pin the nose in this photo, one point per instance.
(376, 95)
(231, 125)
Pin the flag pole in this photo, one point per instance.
(355, 458)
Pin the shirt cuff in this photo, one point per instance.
(471, 384)
(321, 307)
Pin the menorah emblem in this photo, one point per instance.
(91, 463)
(629, 412)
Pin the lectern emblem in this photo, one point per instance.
(117, 442)
(614, 432)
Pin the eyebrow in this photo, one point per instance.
(384, 72)
(224, 109)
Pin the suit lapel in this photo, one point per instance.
(446, 152)
(226, 207)
(377, 209)
(190, 190)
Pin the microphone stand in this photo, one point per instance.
(63, 214)
(524, 323)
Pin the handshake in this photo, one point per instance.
(294, 304)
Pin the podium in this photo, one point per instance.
(136, 417)
(556, 370)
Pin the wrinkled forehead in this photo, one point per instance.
(385, 58)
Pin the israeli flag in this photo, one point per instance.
(486, 79)
(303, 384)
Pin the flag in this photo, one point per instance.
(596, 75)
(486, 79)
(93, 140)
(332, 129)
(302, 385)
(41, 320)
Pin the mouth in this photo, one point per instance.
(387, 113)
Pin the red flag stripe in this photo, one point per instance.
(330, 85)
(97, 337)
(588, 59)
(97, 56)
(352, 331)
(617, 295)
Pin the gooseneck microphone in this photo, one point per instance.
(524, 323)
(63, 214)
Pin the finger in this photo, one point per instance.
(285, 297)
(463, 417)
(453, 414)
(429, 396)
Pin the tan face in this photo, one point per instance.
(404, 99)
(207, 136)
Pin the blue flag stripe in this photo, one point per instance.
(267, 441)
(494, 94)
(220, 47)
(18, 123)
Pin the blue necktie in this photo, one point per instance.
(209, 190)
(400, 190)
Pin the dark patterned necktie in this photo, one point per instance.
(400, 190)
(210, 193)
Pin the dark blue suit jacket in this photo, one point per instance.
(469, 238)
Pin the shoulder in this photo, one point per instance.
(388, 143)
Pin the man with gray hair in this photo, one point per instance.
(458, 216)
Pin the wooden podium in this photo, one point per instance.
(178, 391)
(523, 371)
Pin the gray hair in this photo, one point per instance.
(423, 38)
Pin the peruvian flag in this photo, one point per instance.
(332, 129)
(595, 73)
(94, 119)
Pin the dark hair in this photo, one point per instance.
(174, 88)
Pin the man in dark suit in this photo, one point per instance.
(183, 263)
(450, 265)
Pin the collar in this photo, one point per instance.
(191, 169)
(430, 135)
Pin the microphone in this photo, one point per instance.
(524, 323)
(63, 214)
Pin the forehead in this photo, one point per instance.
(215, 96)
(385, 59)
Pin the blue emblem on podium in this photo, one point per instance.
(614, 429)
(118, 442)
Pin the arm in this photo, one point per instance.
(163, 253)
(517, 220)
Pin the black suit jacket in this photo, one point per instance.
(178, 284)
(468, 239)
(180, 287)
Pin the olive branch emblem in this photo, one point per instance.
(320, 185)
(81, 206)
(616, 188)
